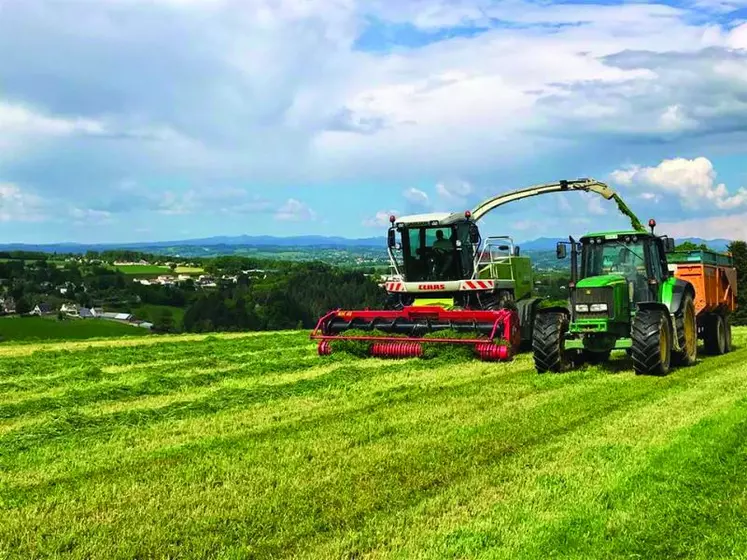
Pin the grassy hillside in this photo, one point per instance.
(49, 328)
(241, 446)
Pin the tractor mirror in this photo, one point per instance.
(669, 245)
(391, 240)
(517, 250)
(560, 251)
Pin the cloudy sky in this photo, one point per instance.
(130, 120)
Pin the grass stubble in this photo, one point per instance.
(251, 446)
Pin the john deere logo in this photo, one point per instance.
(588, 292)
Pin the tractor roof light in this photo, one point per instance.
(652, 225)
(467, 214)
(392, 218)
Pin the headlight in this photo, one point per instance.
(582, 308)
(597, 307)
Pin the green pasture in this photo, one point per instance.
(252, 446)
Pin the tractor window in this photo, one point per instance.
(655, 258)
(613, 257)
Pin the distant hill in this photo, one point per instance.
(307, 241)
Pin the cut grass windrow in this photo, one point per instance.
(236, 447)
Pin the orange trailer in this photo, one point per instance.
(714, 278)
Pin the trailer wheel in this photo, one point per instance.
(652, 342)
(548, 342)
(727, 331)
(687, 333)
(714, 335)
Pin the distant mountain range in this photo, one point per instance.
(306, 241)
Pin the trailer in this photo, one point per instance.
(714, 278)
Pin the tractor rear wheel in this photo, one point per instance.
(714, 335)
(652, 342)
(687, 333)
(548, 342)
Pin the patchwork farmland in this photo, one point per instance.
(250, 445)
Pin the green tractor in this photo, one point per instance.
(623, 297)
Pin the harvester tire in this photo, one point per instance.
(652, 342)
(687, 333)
(548, 342)
(714, 335)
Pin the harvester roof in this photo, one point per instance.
(432, 219)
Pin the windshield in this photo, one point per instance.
(614, 257)
(437, 253)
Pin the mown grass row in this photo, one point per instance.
(235, 447)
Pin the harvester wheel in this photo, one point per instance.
(714, 336)
(687, 333)
(652, 342)
(548, 342)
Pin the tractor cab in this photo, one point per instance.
(434, 249)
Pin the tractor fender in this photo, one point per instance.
(673, 300)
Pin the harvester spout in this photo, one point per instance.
(586, 185)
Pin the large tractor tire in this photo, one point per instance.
(727, 327)
(548, 342)
(687, 333)
(652, 342)
(715, 337)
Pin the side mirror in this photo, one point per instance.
(669, 245)
(560, 251)
(474, 234)
(391, 240)
(517, 250)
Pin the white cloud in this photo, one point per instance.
(296, 211)
(723, 227)
(90, 216)
(693, 181)
(17, 205)
(416, 197)
(381, 219)
(454, 191)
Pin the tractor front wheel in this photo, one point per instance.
(687, 333)
(548, 342)
(652, 342)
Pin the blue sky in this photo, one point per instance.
(133, 120)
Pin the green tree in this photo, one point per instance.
(738, 250)
(164, 321)
(23, 306)
(690, 246)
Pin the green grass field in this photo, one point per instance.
(251, 446)
(49, 328)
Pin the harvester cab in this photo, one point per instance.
(446, 279)
(624, 294)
